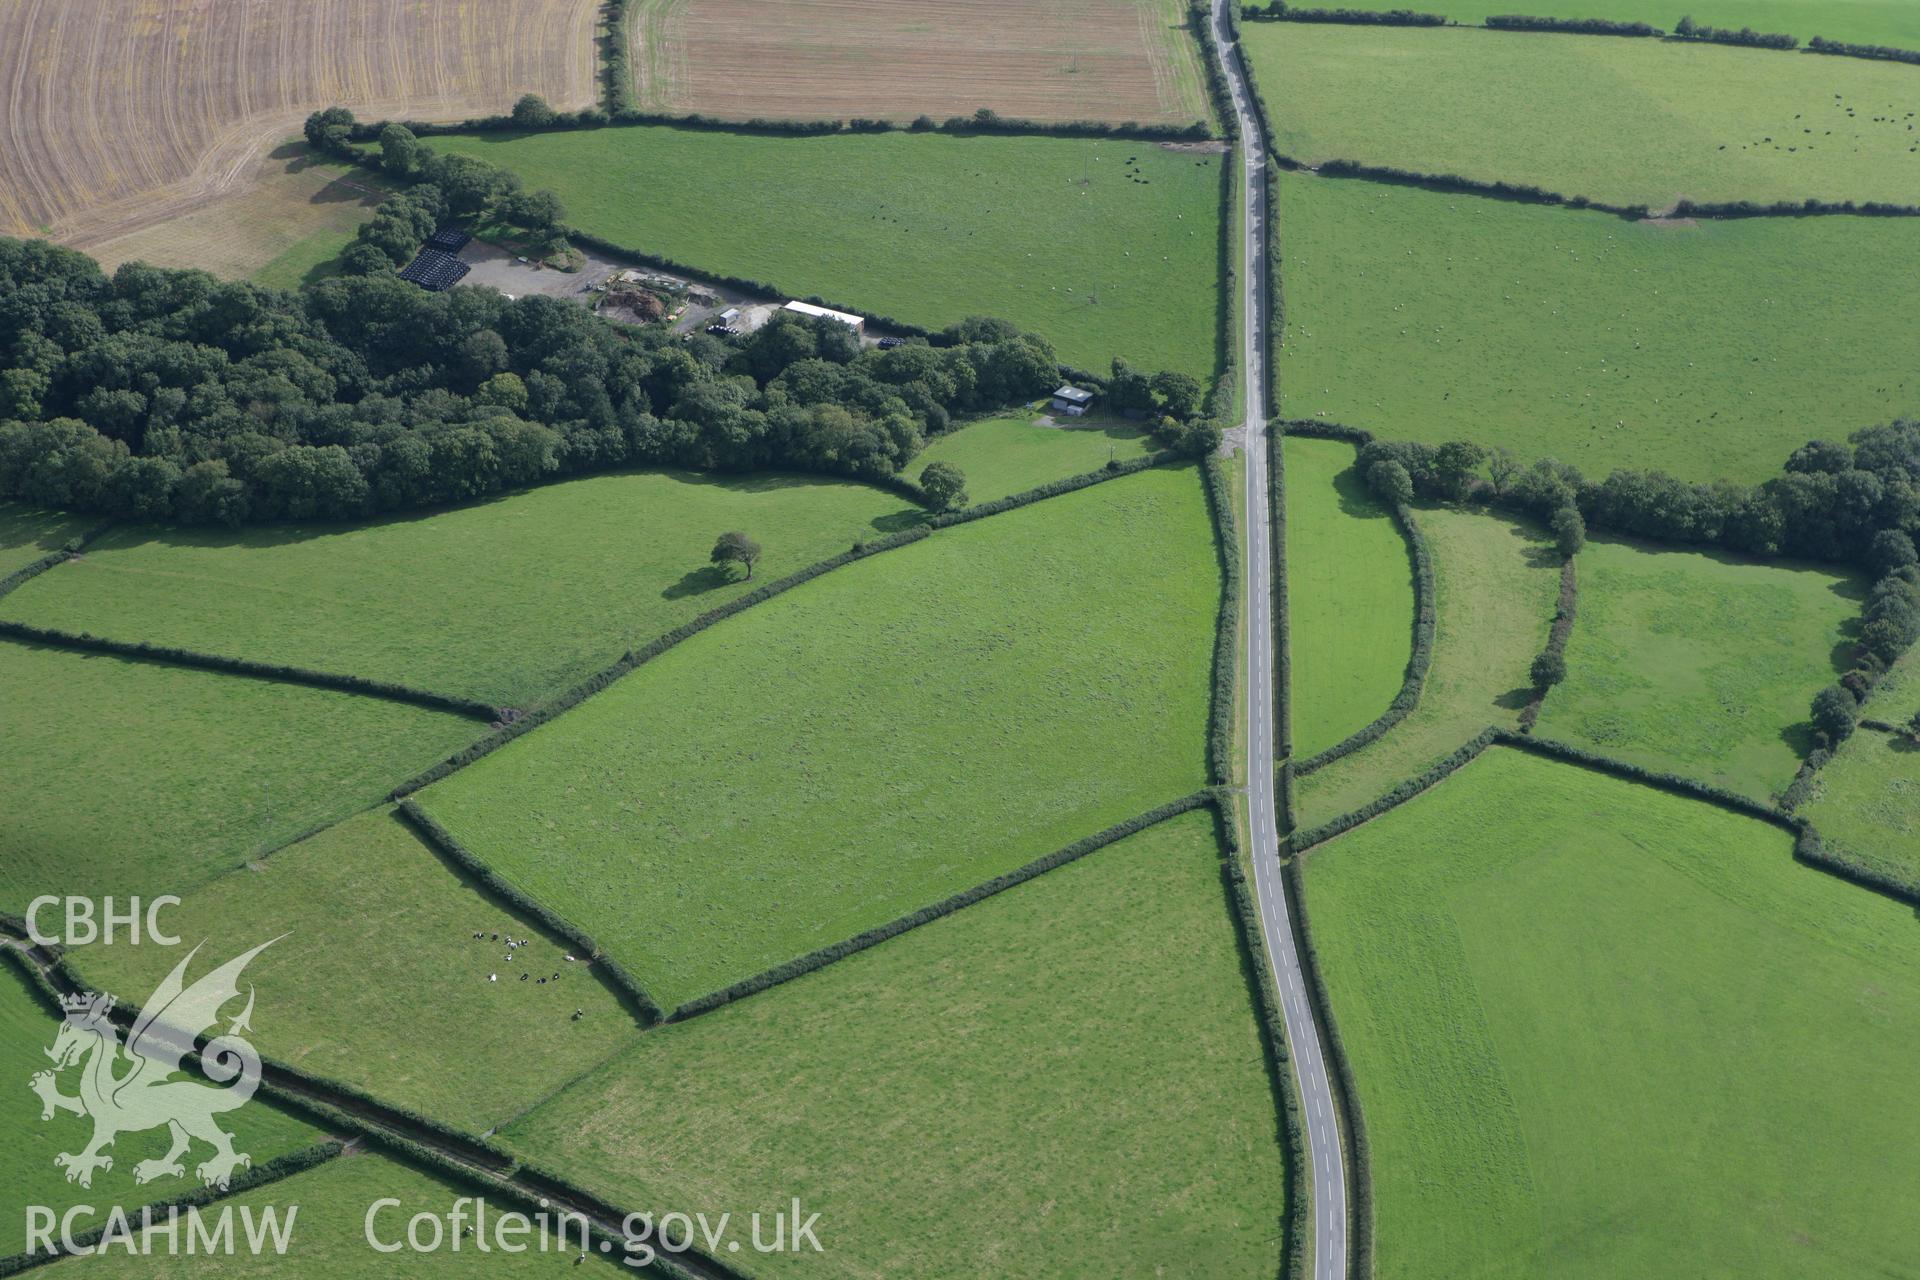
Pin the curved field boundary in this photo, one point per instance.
(1418, 664)
(1563, 618)
(660, 644)
(439, 839)
(73, 547)
(169, 656)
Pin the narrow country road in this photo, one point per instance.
(1326, 1160)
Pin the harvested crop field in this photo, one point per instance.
(123, 114)
(283, 230)
(1114, 60)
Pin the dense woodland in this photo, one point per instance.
(172, 394)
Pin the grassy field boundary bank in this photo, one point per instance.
(168, 655)
(1226, 651)
(1350, 1116)
(660, 644)
(1563, 618)
(819, 959)
(1258, 967)
(411, 1136)
(1527, 193)
(441, 841)
(68, 550)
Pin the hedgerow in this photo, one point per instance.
(1801, 787)
(1282, 629)
(1881, 52)
(1256, 964)
(946, 906)
(439, 838)
(1281, 11)
(1747, 36)
(1811, 850)
(1226, 640)
(1659, 778)
(279, 672)
(1352, 1116)
(1563, 616)
(1571, 26)
(616, 68)
(1417, 665)
(1200, 23)
(67, 551)
(1404, 790)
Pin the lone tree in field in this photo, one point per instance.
(1549, 669)
(1569, 531)
(944, 486)
(1913, 729)
(1833, 709)
(532, 112)
(736, 548)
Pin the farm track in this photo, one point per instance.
(123, 113)
(1319, 1109)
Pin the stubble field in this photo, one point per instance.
(123, 114)
(1113, 60)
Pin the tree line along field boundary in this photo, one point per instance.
(1528, 193)
(1521, 23)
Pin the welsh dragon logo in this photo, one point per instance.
(140, 1086)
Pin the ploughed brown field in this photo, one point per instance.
(116, 114)
(1112, 60)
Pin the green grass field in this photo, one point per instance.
(28, 533)
(1891, 22)
(1107, 248)
(1701, 664)
(27, 1029)
(1349, 597)
(122, 777)
(977, 1095)
(329, 1238)
(1495, 583)
(380, 983)
(509, 600)
(1702, 1068)
(1866, 802)
(1002, 456)
(1603, 343)
(899, 730)
(1620, 121)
